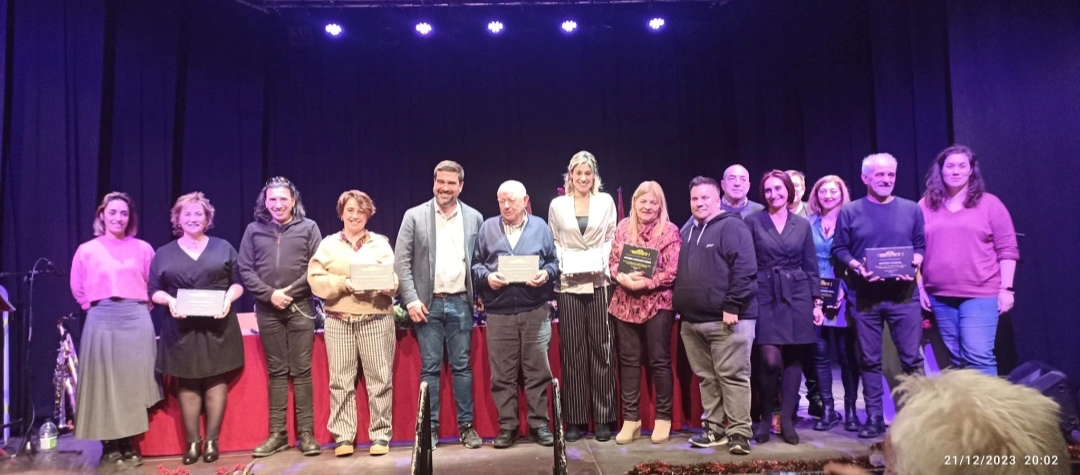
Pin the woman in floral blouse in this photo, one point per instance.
(642, 308)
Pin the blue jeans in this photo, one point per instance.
(449, 325)
(968, 326)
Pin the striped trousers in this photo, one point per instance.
(585, 346)
(370, 345)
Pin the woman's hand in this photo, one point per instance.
(819, 316)
(172, 309)
(1006, 299)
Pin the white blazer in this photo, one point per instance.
(598, 235)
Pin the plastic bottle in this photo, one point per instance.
(47, 435)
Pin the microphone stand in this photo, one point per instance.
(25, 446)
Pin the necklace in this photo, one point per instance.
(192, 243)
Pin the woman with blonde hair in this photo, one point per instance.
(826, 198)
(643, 311)
(116, 383)
(199, 350)
(583, 225)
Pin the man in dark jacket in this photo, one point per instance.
(715, 283)
(273, 261)
(518, 325)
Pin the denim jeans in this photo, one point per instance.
(968, 326)
(905, 326)
(842, 340)
(449, 326)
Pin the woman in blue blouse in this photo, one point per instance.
(826, 198)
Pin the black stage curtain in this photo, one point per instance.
(159, 98)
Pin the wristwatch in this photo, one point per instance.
(1008, 289)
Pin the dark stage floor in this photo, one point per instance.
(526, 458)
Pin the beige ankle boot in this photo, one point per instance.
(630, 431)
(661, 431)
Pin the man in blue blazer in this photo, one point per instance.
(432, 259)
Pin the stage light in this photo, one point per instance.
(423, 28)
(569, 26)
(333, 29)
(656, 23)
(495, 27)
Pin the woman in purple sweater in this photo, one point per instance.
(971, 254)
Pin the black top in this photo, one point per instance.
(717, 271)
(197, 347)
(788, 280)
(582, 223)
(274, 257)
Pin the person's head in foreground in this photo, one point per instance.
(962, 417)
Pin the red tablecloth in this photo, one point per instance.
(246, 425)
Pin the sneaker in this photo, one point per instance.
(542, 436)
(708, 438)
(506, 438)
(469, 437)
(344, 449)
(738, 445)
(379, 447)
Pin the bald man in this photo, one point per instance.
(736, 184)
(518, 324)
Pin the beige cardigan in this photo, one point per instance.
(599, 234)
(332, 264)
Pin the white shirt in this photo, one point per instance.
(449, 252)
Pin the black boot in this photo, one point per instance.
(762, 431)
(277, 442)
(194, 450)
(851, 418)
(829, 420)
(817, 406)
(211, 453)
(110, 453)
(875, 427)
(572, 433)
(128, 452)
(603, 432)
(308, 445)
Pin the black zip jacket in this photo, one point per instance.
(717, 270)
(273, 257)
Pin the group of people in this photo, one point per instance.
(743, 277)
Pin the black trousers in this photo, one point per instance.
(287, 337)
(651, 340)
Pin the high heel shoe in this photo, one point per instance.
(194, 450)
(211, 453)
(630, 430)
(761, 433)
(661, 431)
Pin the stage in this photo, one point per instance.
(586, 456)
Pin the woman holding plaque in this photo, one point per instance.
(359, 327)
(116, 376)
(583, 225)
(788, 300)
(200, 350)
(826, 198)
(971, 254)
(641, 305)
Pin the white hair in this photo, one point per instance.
(873, 159)
(964, 413)
(513, 188)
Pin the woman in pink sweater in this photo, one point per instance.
(116, 383)
(971, 254)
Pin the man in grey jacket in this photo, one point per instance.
(432, 259)
(273, 261)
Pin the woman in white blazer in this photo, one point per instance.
(583, 224)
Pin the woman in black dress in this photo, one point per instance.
(198, 350)
(788, 298)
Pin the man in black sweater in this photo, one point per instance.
(881, 220)
(714, 286)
